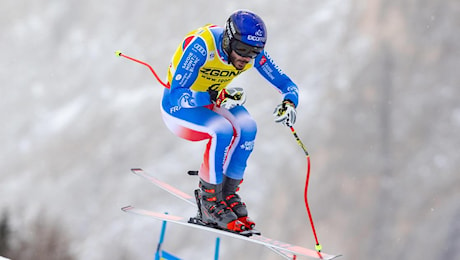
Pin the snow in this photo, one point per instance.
(76, 118)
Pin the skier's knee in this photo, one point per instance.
(249, 130)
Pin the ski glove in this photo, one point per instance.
(229, 98)
(285, 113)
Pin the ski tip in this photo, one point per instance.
(192, 172)
(118, 53)
(134, 170)
(126, 208)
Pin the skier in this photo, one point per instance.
(198, 104)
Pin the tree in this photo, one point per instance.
(4, 234)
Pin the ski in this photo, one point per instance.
(166, 187)
(258, 239)
(191, 200)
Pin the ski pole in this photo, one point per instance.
(118, 53)
(318, 246)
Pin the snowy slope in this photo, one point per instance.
(75, 119)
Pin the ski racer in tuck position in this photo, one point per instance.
(198, 104)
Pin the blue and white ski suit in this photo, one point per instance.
(198, 65)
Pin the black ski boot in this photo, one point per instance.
(214, 210)
(233, 200)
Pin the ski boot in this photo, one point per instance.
(213, 211)
(230, 187)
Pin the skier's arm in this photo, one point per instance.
(285, 112)
(193, 57)
(270, 71)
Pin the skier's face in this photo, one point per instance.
(239, 62)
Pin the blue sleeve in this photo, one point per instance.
(270, 71)
(193, 57)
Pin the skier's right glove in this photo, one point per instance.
(285, 113)
(229, 98)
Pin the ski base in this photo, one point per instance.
(283, 249)
(258, 239)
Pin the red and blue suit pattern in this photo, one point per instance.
(199, 65)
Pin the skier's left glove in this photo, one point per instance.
(229, 98)
(285, 113)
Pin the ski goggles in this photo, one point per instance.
(245, 50)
